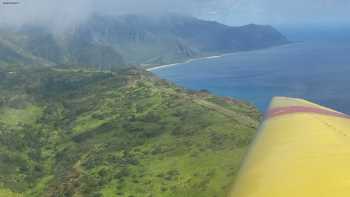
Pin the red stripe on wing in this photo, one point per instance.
(279, 111)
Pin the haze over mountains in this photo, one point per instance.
(80, 117)
(105, 42)
(232, 12)
(67, 129)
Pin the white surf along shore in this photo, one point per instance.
(188, 61)
(219, 56)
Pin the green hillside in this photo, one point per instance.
(80, 133)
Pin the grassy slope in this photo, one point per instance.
(76, 133)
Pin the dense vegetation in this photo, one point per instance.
(106, 42)
(127, 133)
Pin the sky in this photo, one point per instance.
(232, 12)
(279, 12)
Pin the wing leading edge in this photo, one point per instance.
(302, 150)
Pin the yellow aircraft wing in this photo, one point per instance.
(302, 150)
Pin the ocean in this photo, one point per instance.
(318, 71)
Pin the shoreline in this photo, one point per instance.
(215, 56)
(185, 62)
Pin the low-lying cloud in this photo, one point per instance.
(62, 13)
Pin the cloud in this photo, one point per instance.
(62, 13)
(45, 12)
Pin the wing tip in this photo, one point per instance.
(286, 105)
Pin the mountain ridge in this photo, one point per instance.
(78, 119)
(105, 42)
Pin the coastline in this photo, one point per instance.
(215, 56)
(185, 62)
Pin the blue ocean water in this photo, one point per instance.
(317, 71)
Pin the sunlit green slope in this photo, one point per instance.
(80, 133)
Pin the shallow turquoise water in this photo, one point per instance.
(317, 71)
